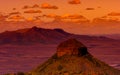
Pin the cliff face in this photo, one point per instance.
(71, 47)
(72, 58)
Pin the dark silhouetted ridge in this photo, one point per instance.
(36, 35)
(59, 30)
(33, 35)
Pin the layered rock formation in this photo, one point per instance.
(72, 58)
(71, 47)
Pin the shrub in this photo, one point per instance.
(60, 67)
(20, 73)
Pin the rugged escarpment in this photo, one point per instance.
(73, 58)
(71, 47)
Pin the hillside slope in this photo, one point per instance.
(72, 58)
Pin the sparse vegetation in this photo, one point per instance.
(69, 64)
(20, 73)
(60, 67)
(73, 65)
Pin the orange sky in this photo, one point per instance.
(76, 11)
(101, 7)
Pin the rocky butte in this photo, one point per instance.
(73, 58)
(71, 47)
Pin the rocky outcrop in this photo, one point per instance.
(71, 47)
(72, 58)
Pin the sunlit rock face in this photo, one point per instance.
(72, 58)
(71, 47)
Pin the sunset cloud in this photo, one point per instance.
(48, 6)
(14, 9)
(105, 19)
(35, 6)
(75, 2)
(65, 16)
(99, 20)
(33, 11)
(74, 16)
(37, 17)
(14, 13)
(3, 17)
(99, 7)
(26, 7)
(52, 16)
(114, 14)
(90, 8)
(16, 18)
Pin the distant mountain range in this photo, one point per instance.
(40, 35)
(114, 36)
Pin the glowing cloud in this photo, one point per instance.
(14, 9)
(52, 16)
(48, 6)
(16, 18)
(33, 11)
(35, 6)
(26, 7)
(74, 16)
(114, 14)
(105, 19)
(14, 13)
(3, 17)
(75, 2)
(90, 8)
(99, 7)
(99, 20)
(65, 16)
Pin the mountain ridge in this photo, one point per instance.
(40, 35)
(31, 35)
